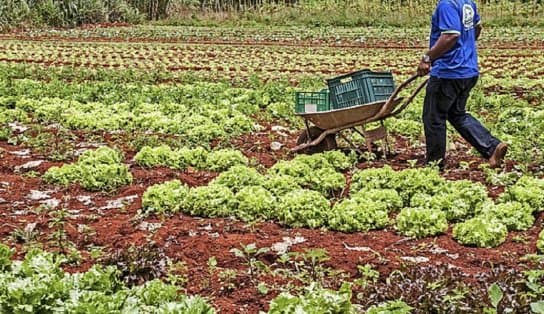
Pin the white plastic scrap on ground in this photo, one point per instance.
(149, 226)
(51, 202)
(284, 246)
(21, 153)
(39, 195)
(415, 259)
(276, 145)
(357, 248)
(85, 200)
(29, 165)
(17, 127)
(120, 202)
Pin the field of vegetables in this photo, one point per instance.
(148, 169)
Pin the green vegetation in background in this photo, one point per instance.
(69, 13)
(339, 13)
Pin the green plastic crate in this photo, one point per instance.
(359, 88)
(306, 102)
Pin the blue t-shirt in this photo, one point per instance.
(456, 17)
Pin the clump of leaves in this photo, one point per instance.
(315, 300)
(389, 197)
(182, 158)
(165, 198)
(407, 182)
(318, 172)
(358, 215)
(223, 159)
(38, 284)
(280, 185)
(5, 257)
(372, 178)
(239, 177)
(390, 307)
(458, 199)
(429, 289)
(480, 232)
(96, 170)
(527, 190)
(514, 215)
(421, 222)
(253, 203)
(540, 242)
(138, 264)
(213, 200)
(303, 208)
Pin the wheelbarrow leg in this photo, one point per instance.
(379, 133)
(350, 143)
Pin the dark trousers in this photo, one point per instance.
(446, 99)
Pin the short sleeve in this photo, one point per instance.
(449, 21)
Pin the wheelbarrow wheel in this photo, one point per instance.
(328, 143)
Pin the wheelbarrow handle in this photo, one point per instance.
(386, 108)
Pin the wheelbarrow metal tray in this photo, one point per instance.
(337, 118)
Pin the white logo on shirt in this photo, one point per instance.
(468, 17)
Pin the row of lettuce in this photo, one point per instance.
(310, 191)
(38, 284)
(200, 112)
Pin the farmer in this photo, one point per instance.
(453, 63)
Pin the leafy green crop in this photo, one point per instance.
(238, 177)
(254, 203)
(358, 214)
(514, 215)
(100, 169)
(315, 300)
(213, 200)
(223, 159)
(407, 182)
(480, 232)
(540, 242)
(198, 158)
(391, 307)
(39, 285)
(165, 198)
(421, 222)
(527, 190)
(280, 185)
(315, 172)
(372, 178)
(303, 208)
(458, 199)
(389, 197)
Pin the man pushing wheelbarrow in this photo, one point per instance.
(452, 61)
(360, 98)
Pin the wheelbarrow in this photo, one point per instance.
(321, 136)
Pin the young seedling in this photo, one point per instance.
(250, 253)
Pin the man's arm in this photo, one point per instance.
(445, 43)
(478, 30)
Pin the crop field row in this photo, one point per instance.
(522, 69)
(159, 177)
(500, 37)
